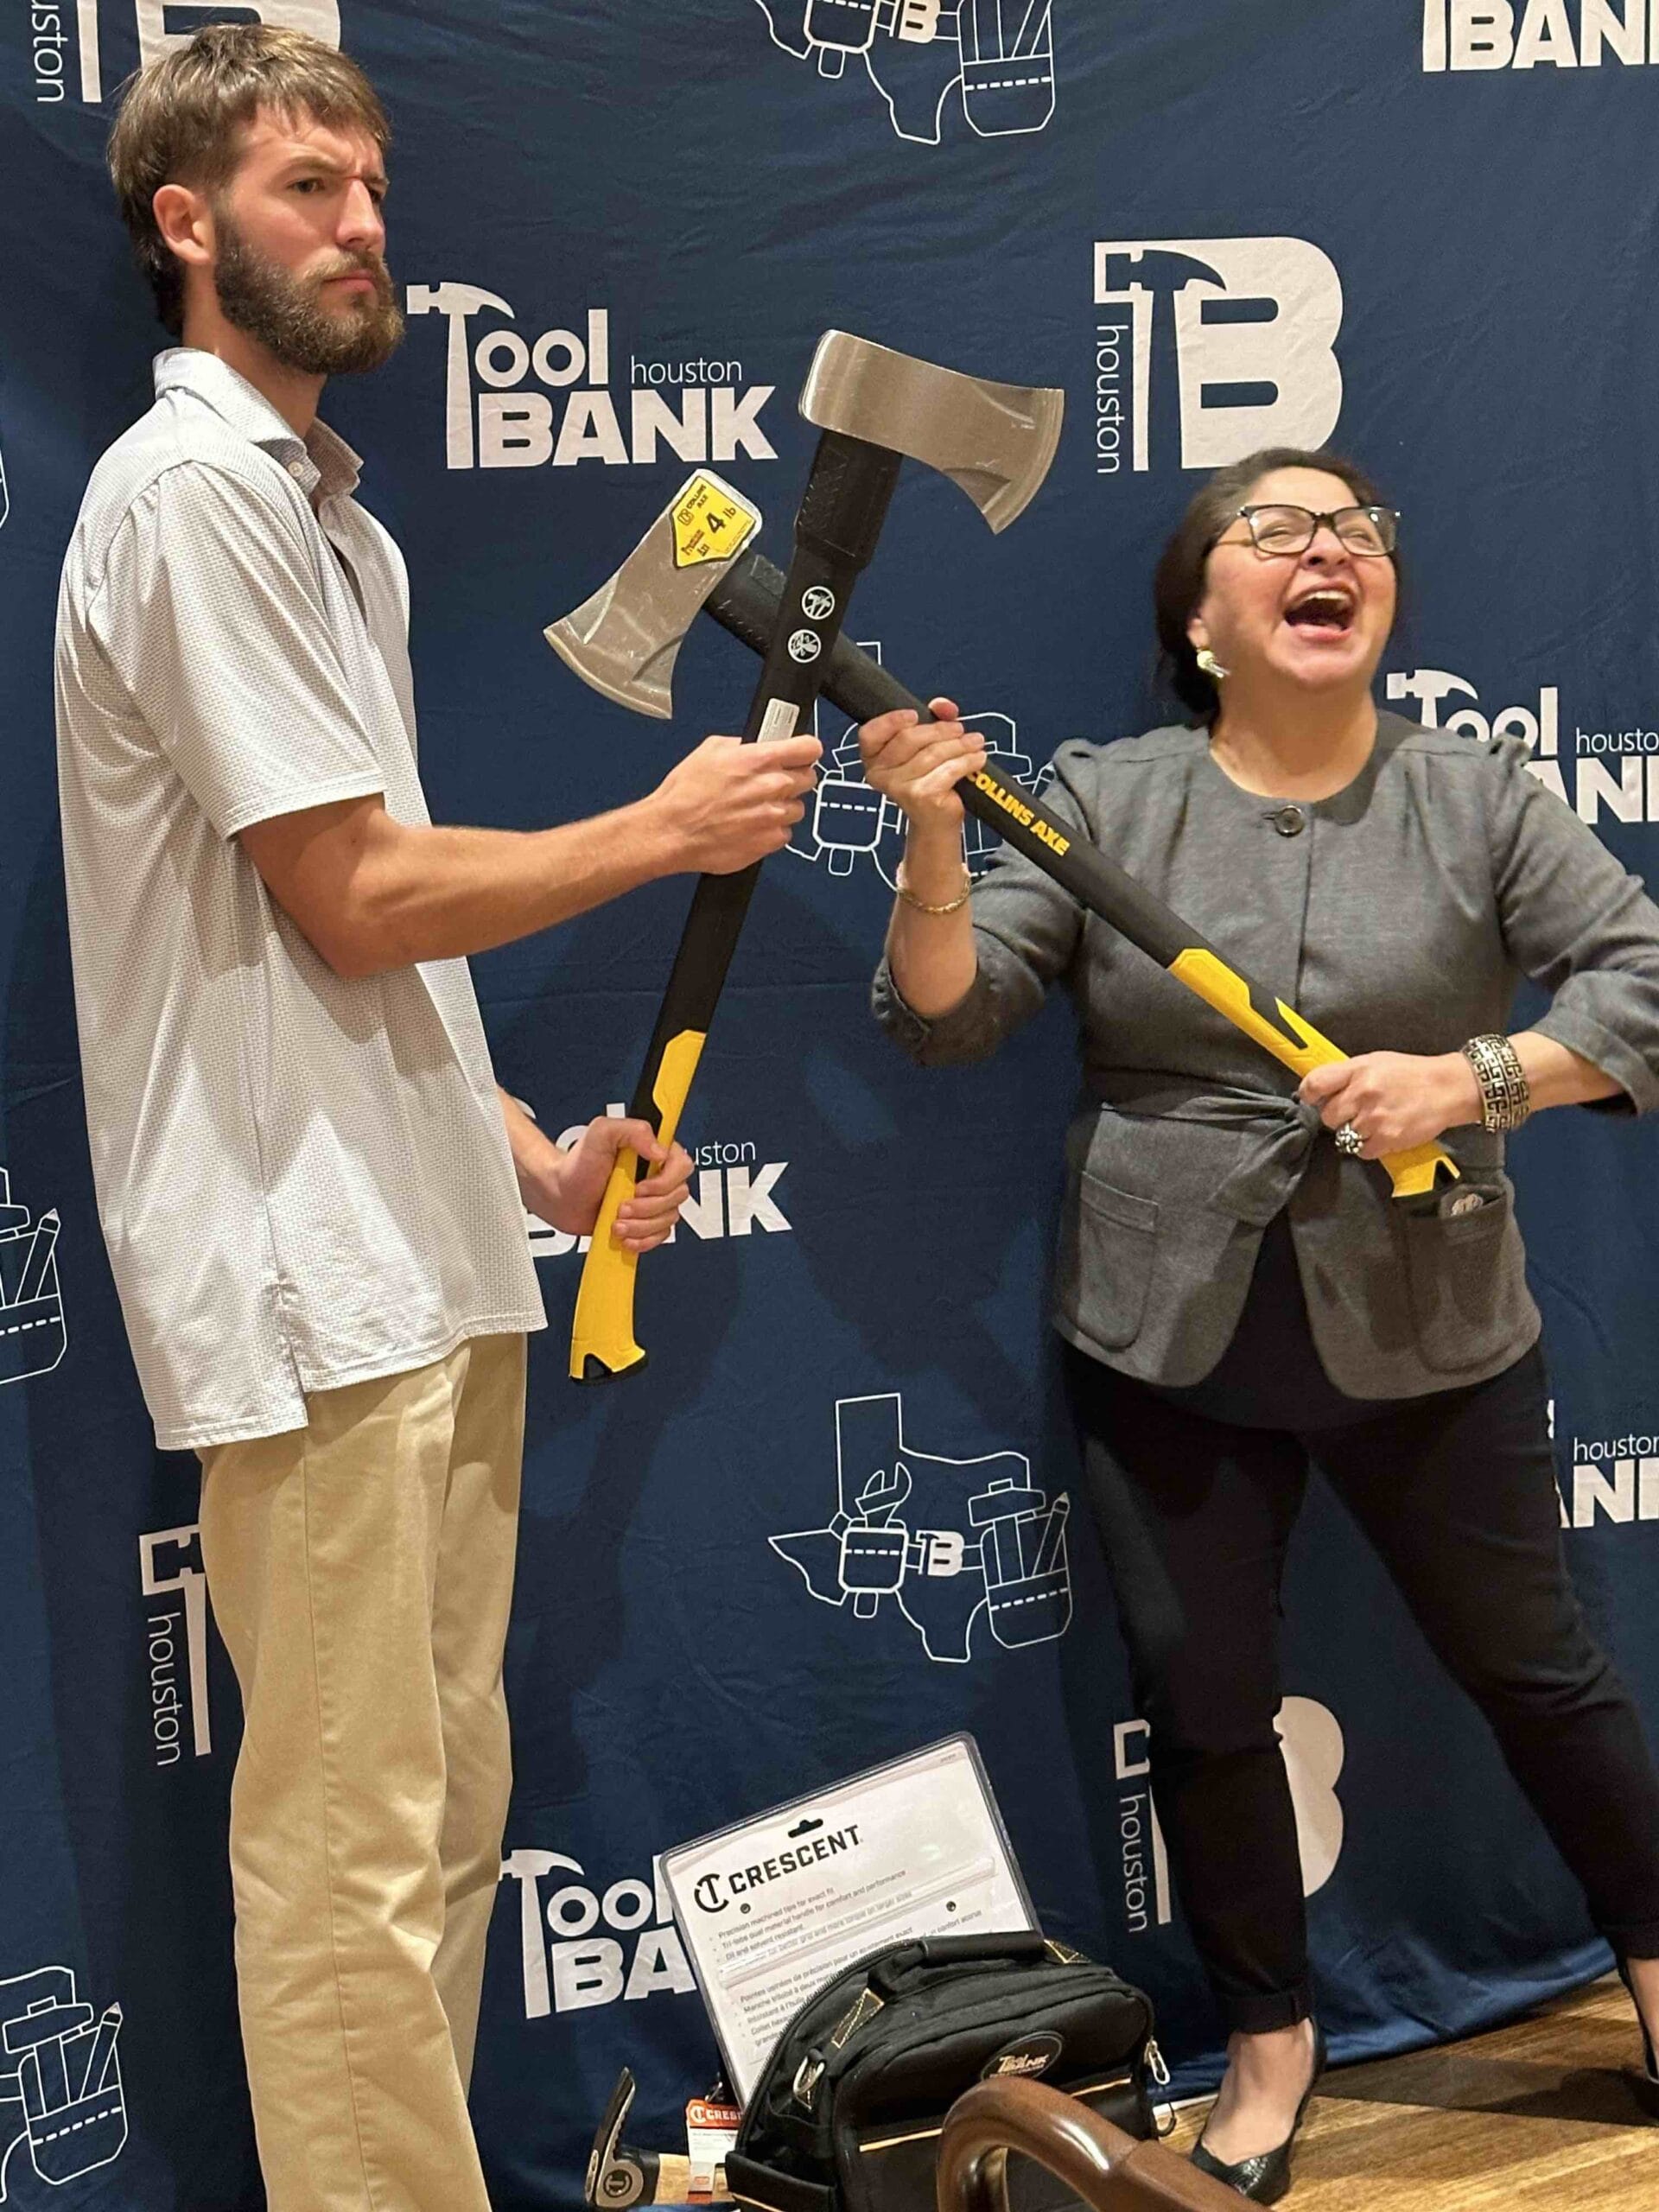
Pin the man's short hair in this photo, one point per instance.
(182, 120)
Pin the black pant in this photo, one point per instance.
(1456, 1494)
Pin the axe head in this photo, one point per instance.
(995, 441)
(624, 639)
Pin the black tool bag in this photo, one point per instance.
(847, 2116)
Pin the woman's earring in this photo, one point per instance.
(1209, 663)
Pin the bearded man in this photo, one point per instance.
(312, 1191)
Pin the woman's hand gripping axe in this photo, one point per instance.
(875, 408)
(745, 601)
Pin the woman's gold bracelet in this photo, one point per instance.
(921, 904)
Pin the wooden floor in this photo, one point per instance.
(1536, 2115)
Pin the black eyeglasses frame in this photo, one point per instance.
(1247, 515)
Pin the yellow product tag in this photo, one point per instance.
(710, 523)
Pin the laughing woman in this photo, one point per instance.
(1240, 1296)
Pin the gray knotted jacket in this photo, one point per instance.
(1398, 915)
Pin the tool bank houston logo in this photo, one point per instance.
(518, 398)
(585, 1942)
(1205, 349)
(1311, 1739)
(1606, 776)
(733, 1193)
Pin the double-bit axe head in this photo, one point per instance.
(995, 441)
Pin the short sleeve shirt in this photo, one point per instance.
(303, 1178)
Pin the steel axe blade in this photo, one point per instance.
(995, 442)
(623, 641)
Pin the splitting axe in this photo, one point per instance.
(875, 408)
(743, 595)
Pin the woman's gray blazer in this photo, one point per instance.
(1398, 915)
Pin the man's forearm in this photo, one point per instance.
(419, 893)
(371, 892)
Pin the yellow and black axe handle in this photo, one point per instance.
(840, 517)
(741, 603)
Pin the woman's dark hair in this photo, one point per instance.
(1178, 585)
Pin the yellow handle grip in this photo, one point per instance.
(601, 1334)
(1300, 1046)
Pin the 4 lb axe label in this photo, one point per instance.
(711, 523)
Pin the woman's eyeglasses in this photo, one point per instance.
(1284, 530)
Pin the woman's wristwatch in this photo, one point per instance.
(1505, 1094)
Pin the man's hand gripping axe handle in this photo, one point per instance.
(874, 407)
(743, 602)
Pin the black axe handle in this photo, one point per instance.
(746, 601)
(835, 532)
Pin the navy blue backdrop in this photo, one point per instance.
(1422, 230)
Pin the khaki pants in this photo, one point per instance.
(360, 1571)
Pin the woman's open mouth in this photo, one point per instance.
(1327, 612)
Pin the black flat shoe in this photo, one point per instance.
(1646, 2084)
(1265, 2177)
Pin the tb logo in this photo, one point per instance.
(1311, 1739)
(150, 18)
(169, 1562)
(1206, 348)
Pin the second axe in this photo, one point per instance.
(630, 657)
(874, 407)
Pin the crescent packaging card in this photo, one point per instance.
(773, 1908)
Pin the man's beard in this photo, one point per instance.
(284, 312)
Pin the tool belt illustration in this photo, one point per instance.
(32, 1339)
(900, 1533)
(61, 2101)
(997, 56)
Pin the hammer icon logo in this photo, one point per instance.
(1208, 348)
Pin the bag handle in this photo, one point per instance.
(888, 1975)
